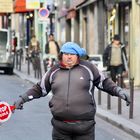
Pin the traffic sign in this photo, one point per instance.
(43, 13)
(5, 111)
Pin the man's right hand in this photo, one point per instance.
(19, 103)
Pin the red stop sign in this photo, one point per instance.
(5, 111)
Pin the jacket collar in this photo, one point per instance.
(62, 65)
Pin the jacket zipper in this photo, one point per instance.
(68, 90)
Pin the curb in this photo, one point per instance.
(119, 122)
(25, 77)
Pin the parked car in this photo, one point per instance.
(6, 54)
(98, 61)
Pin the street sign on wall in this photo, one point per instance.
(6, 6)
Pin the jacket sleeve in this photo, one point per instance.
(124, 49)
(40, 89)
(125, 59)
(110, 87)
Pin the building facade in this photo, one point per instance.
(90, 23)
(93, 24)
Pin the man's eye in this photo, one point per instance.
(66, 53)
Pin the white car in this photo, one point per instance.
(98, 61)
(6, 54)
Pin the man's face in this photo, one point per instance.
(116, 42)
(69, 60)
(51, 38)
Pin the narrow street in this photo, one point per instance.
(33, 122)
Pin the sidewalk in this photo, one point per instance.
(132, 126)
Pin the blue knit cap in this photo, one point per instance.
(72, 48)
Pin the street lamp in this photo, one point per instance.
(29, 25)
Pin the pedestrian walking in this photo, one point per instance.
(52, 50)
(14, 42)
(34, 53)
(115, 58)
(72, 82)
(52, 47)
(34, 47)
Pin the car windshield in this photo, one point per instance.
(95, 58)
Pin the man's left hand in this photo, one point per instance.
(123, 95)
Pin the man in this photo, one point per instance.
(52, 47)
(34, 46)
(52, 50)
(14, 43)
(34, 53)
(72, 82)
(115, 58)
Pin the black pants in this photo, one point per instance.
(83, 130)
(115, 70)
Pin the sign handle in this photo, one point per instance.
(12, 107)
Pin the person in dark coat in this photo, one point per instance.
(115, 58)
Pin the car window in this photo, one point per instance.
(3, 40)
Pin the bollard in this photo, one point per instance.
(16, 59)
(35, 73)
(28, 68)
(119, 106)
(99, 97)
(120, 83)
(40, 70)
(108, 102)
(132, 98)
(107, 73)
(37, 66)
(20, 59)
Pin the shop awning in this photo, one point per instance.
(20, 6)
(3, 14)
